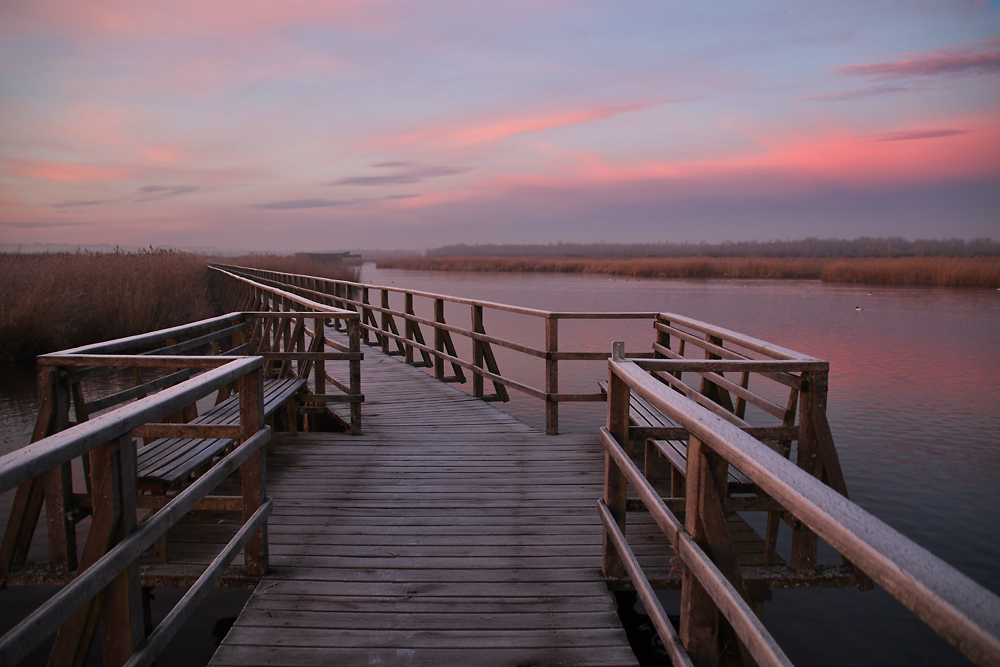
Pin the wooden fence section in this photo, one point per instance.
(398, 331)
(449, 533)
(105, 592)
(717, 623)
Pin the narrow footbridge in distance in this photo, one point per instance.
(314, 446)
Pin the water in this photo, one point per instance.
(913, 404)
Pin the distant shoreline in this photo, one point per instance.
(936, 271)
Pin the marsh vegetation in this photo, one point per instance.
(56, 301)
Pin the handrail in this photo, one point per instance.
(960, 610)
(38, 457)
(278, 303)
(380, 319)
(112, 573)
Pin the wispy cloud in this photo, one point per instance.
(155, 192)
(912, 135)
(857, 94)
(408, 174)
(43, 225)
(496, 130)
(975, 58)
(291, 204)
(89, 202)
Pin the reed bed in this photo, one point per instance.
(948, 271)
(51, 302)
(54, 301)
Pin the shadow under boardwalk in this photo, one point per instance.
(449, 533)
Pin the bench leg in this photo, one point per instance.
(676, 483)
(649, 462)
(160, 550)
(293, 426)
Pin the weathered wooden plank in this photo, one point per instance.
(448, 528)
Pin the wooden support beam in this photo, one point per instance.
(615, 484)
(552, 376)
(253, 472)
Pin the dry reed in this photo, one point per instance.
(949, 271)
(51, 302)
(54, 301)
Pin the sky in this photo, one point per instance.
(328, 125)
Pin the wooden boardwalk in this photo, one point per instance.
(450, 533)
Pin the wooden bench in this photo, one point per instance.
(641, 413)
(169, 462)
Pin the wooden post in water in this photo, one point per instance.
(552, 376)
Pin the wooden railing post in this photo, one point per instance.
(58, 483)
(551, 376)
(30, 496)
(812, 397)
(354, 345)
(122, 617)
(477, 351)
(119, 605)
(439, 339)
(253, 472)
(615, 484)
(365, 315)
(384, 321)
(319, 369)
(699, 623)
(408, 328)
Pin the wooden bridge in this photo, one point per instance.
(400, 520)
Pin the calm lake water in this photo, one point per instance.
(914, 405)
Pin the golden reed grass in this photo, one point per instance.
(51, 302)
(948, 271)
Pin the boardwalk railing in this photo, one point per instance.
(715, 606)
(106, 587)
(399, 330)
(283, 333)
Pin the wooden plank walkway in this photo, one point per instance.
(450, 533)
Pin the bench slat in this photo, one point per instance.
(169, 461)
(642, 413)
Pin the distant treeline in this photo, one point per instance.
(865, 246)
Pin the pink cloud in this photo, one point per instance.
(185, 17)
(975, 58)
(499, 129)
(69, 171)
(834, 156)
